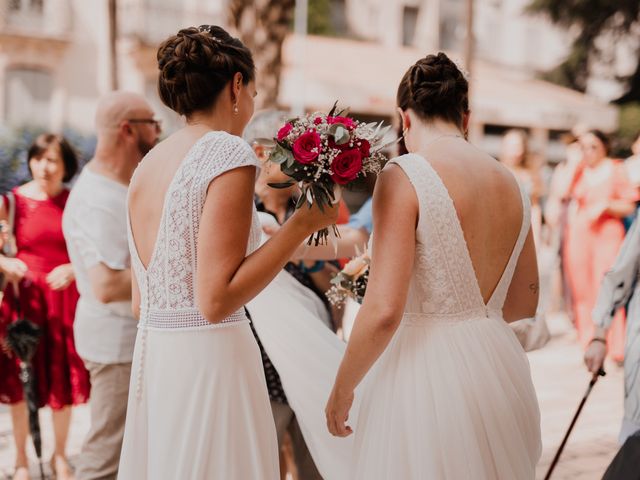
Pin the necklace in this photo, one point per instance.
(439, 137)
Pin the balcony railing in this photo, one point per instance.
(153, 23)
(35, 17)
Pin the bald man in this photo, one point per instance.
(95, 229)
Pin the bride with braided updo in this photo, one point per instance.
(198, 405)
(446, 388)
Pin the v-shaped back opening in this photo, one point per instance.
(165, 201)
(515, 251)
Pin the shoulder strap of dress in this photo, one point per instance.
(219, 152)
(421, 176)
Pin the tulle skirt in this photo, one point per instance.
(291, 323)
(198, 408)
(449, 401)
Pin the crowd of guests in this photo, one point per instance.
(584, 213)
(66, 267)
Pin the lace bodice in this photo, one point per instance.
(167, 285)
(444, 283)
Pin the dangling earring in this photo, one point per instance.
(235, 108)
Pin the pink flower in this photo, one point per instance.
(346, 121)
(317, 120)
(346, 166)
(307, 147)
(284, 131)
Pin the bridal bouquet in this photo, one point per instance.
(322, 153)
(351, 281)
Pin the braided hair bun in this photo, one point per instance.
(434, 87)
(196, 64)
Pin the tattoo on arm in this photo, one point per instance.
(534, 287)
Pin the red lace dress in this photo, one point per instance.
(60, 373)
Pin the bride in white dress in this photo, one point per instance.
(198, 405)
(447, 392)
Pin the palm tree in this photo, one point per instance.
(263, 25)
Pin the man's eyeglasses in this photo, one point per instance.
(156, 123)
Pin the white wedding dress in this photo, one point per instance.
(451, 397)
(306, 353)
(198, 405)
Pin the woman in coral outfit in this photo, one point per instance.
(48, 297)
(603, 196)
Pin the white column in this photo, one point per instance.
(58, 104)
(57, 15)
(390, 24)
(428, 26)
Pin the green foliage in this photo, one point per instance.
(320, 18)
(629, 126)
(591, 19)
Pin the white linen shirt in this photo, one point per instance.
(95, 229)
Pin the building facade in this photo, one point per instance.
(56, 60)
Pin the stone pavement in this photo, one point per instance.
(560, 380)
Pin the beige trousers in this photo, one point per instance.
(100, 453)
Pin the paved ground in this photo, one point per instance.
(560, 381)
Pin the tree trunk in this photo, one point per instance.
(113, 48)
(263, 25)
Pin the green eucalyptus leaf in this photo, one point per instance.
(279, 155)
(281, 184)
(333, 109)
(290, 162)
(301, 199)
(340, 133)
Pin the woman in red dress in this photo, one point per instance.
(48, 297)
(603, 196)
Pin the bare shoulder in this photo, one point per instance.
(394, 184)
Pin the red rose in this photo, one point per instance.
(365, 148)
(346, 166)
(346, 121)
(307, 147)
(284, 131)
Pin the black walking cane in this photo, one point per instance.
(592, 382)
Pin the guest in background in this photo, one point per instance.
(621, 289)
(603, 196)
(633, 163)
(517, 157)
(557, 213)
(95, 228)
(47, 296)
(280, 204)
